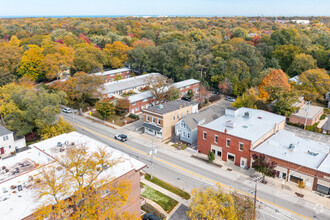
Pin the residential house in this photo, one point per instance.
(232, 136)
(110, 75)
(326, 126)
(309, 114)
(9, 142)
(298, 159)
(125, 85)
(160, 120)
(186, 128)
(143, 100)
(19, 197)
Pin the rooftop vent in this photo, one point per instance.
(259, 117)
(245, 126)
(291, 147)
(230, 124)
(312, 153)
(160, 106)
(246, 115)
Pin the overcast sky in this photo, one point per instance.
(164, 7)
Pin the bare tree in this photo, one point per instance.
(158, 86)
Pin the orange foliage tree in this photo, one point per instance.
(276, 78)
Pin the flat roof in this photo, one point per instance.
(307, 153)
(111, 72)
(4, 131)
(129, 83)
(169, 106)
(250, 128)
(184, 83)
(23, 203)
(312, 111)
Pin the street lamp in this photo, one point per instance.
(152, 152)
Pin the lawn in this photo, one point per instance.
(161, 199)
(180, 145)
(117, 119)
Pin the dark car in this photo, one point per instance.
(121, 137)
(186, 98)
(150, 216)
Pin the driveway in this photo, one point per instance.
(180, 213)
(219, 108)
(136, 126)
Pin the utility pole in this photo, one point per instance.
(151, 153)
(306, 110)
(256, 180)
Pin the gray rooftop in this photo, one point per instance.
(169, 106)
(202, 117)
(305, 152)
(312, 111)
(255, 126)
(4, 131)
(111, 72)
(129, 83)
(326, 125)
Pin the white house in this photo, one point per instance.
(9, 142)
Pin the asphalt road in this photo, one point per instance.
(188, 173)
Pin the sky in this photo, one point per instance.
(165, 7)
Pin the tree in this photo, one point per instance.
(30, 63)
(105, 107)
(190, 94)
(260, 163)
(122, 105)
(276, 78)
(9, 60)
(286, 54)
(91, 194)
(240, 32)
(158, 86)
(301, 63)
(118, 77)
(172, 93)
(214, 203)
(88, 58)
(315, 84)
(248, 99)
(211, 156)
(283, 100)
(14, 41)
(82, 87)
(116, 54)
(60, 127)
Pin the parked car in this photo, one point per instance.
(230, 99)
(186, 98)
(67, 110)
(150, 216)
(121, 137)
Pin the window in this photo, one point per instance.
(228, 142)
(181, 114)
(158, 121)
(153, 120)
(183, 125)
(188, 135)
(9, 146)
(137, 109)
(204, 135)
(148, 118)
(187, 112)
(5, 138)
(133, 103)
(216, 139)
(240, 146)
(184, 134)
(174, 118)
(178, 116)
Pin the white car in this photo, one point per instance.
(67, 110)
(121, 137)
(230, 99)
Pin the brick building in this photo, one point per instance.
(311, 112)
(110, 75)
(143, 100)
(160, 120)
(232, 136)
(16, 187)
(298, 159)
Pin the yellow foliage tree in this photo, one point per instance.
(276, 78)
(60, 127)
(116, 53)
(30, 62)
(77, 186)
(14, 41)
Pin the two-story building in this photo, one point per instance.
(9, 142)
(309, 114)
(298, 159)
(110, 75)
(160, 120)
(141, 101)
(232, 135)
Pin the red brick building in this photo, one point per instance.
(311, 112)
(110, 75)
(298, 159)
(232, 136)
(143, 100)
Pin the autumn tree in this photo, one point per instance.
(61, 126)
(276, 78)
(30, 63)
(9, 60)
(14, 41)
(105, 107)
(116, 54)
(88, 58)
(301, 63)
(261, 164)
(214, 203)
(158, 86)
(249, 99)
(286, 54)
(91, 194)
(315, 84)
(122, 105)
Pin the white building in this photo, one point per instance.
(9, 143)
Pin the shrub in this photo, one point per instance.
(168, 186)
(323, 116)
(133, 116)
(211, 156)
(214, 98)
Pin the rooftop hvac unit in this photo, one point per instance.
(246, 115)
(229, 124)
(291, 147)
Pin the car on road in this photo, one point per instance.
(185, 98)
(67, 110)
(230, 99)
(150, 216)
(121, 137)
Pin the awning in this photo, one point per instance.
(153, 127)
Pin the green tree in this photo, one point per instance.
(105, 107)
(211, 156)
(286, 54)
(172, 93)
(301, 63)
(283, 100)
(88, 58)
(240, 32)
(190, 94)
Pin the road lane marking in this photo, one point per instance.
(187, 171)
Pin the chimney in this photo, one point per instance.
(225, 130)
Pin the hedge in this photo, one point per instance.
(168, 186)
